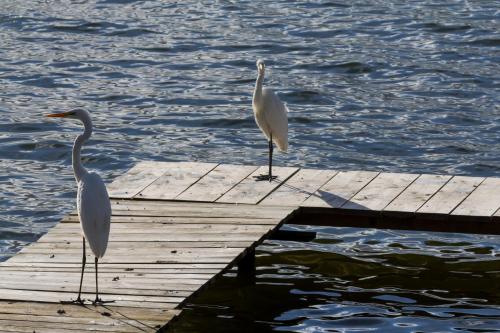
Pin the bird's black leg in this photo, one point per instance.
(271, 160)
(269, 176)
(98, 300)
(84, 260)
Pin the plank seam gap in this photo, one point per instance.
(320, 187)
(246, 176)
(361, 189)
(279, 185)
(451, 212)
(196, 181)
(145, 187)
(432, 196)
(401, 192)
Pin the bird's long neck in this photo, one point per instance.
(78, 168)
(257, 93)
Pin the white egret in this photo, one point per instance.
(94, 208)
(271, 117)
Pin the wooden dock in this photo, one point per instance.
(177, 225)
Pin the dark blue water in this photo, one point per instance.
(358, 280)
(408, 86)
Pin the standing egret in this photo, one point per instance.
(94, 208)
(271, 117)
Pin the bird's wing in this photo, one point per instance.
(276, 117)
(94, 210)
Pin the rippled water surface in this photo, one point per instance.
(410, 86)
(355, 280)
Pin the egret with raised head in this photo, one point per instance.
(271, 117)
(94, 208)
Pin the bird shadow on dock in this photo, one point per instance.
(333, 200)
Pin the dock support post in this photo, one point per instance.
(246, 266)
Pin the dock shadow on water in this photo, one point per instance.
(358, 280)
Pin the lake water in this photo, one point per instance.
(406, 86)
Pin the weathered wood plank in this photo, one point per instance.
(110, 270)
(450, 195)
(89, 311)
(151, 246)
(250, 191)
(126, 266)
(119, 300)
(121, 288)
(299, 187)
(199, 252)
(342, 187)
(23, 325)
(177, 178)
(483, 201)
(180, 237)
(131, 276)
(217, 182)
(181, 220)
(155, 227)
(380, 191)
(136, 179)
(96, 323)
(168, 258)
(213, 212)
(415, 195)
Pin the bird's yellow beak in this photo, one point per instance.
(60, 115)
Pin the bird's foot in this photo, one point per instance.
(264, 177)
(99, 301)
(78, 301)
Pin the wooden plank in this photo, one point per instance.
(155, 227)
(96, 323)
(126, 266)
(138, 204)
(177, 178)
(148, 277)
(152, 246)
(136, 179)
(110, 270)
(380, 191)
(180, 237)
(483, 201)
(450, 195)
(122, 288)
(217, 182)
(89, 311)
(34, 324)
(250, 191)
(112, 251)
(176, 288)
(157, 257)
(342, 187)
(415, 195)
(12, 327)
(181, 220)
(119, 300)
(299, 187)
(207, 212)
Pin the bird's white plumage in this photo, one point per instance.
(274, 115)
(94, 207)
(270, 112)
(94, 211)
